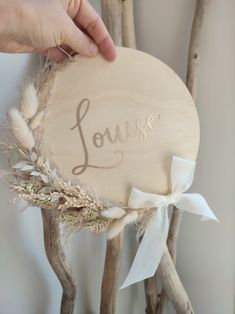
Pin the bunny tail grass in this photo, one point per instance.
(21, 130)
(29, 103)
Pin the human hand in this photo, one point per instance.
(43, 26)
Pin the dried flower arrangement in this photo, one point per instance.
(40, 186)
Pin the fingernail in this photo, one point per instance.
(92, 49)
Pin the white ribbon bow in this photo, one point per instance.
(152, 245)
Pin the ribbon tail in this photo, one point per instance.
(151, 248)
(195, 204)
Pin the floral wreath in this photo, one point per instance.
(77, 206)
(39, 185)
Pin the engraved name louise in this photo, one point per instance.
(138, 129)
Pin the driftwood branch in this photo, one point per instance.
(151, 296)
(112, 16)
(194, 47)
(110, 276)
(58, 261)
(191, 82)
(172, 246)
(128, 24)
(173, 286)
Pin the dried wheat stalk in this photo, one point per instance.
(191, 82)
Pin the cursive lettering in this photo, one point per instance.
(139, 128)
(123, 136)
(82, 111)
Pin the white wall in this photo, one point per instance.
(206, 250)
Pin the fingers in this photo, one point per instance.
(54, 54)
(88, 18)
(15, 47)
(79, 42)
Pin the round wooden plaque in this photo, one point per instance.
(116, 125)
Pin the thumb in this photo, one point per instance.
(80, 42)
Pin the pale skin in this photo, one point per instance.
(44, 25)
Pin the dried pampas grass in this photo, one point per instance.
(21, 130)
(29, 103)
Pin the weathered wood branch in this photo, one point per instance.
(128, 24)
(192, 84)
(112, 16)
(58, 261)
(111, 274)
(151, 296)
(172, 285)
(194, 47)
(172, 246)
